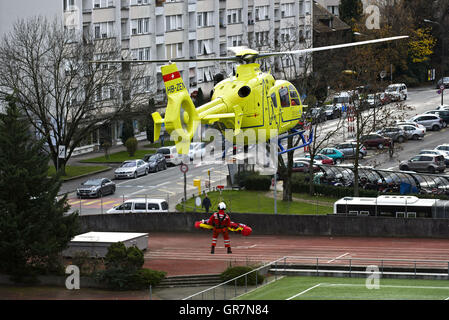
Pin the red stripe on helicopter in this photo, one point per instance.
(172, 76)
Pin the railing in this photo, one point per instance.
(320, 266)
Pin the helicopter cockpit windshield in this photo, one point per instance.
(294, 98)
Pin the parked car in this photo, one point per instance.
(343, 100)
(155, 162)
(442, 107)
(412, 132)
(418, 125)
(172, 157)
(397, 91)
(95, 188)
(373, 100)
(443, 114)
(374, 140)
(383, 98)
(317, 114)
(332, 112)
(349, 149)
(424, 163)
(197, 150)
(140, 205)
(303, 166)
(430, 121)
(443, 148)
(437, 152)
(322, 158)
(131, 169)
(445, 81)
(334, 154)
(395, 133)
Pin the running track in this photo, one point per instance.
(189, 253)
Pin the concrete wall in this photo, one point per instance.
(267, 224)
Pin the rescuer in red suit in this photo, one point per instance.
(220, 221)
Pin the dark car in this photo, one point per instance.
(95, 188)
(303, 166)
(316, 114)
(155, 162)
(374, 140)
(443, 114)
(445, 81)
(332, 112)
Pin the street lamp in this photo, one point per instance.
(442, 51)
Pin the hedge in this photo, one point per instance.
(234, 272)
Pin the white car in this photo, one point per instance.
(140, 205)
(397, 91)
(418, 125)
(131, 169)
(444, 148)
(172, 157)
(197, 150)
(305, 159)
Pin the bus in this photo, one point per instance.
(393, 206)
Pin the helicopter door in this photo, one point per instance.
(285, 109)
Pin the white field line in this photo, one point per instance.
(345, 254)
(382, 286)
(302, 292)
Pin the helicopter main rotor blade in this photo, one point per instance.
(233, 58)
(337, 46)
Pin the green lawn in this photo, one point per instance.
(329, 288)
(158, 144)
(119, 157)
(258, 202)
(75, 171)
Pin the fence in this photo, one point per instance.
(320, 266)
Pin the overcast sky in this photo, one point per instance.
(11, 10)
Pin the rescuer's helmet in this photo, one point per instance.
(221, 206)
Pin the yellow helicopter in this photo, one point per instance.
(250, 99)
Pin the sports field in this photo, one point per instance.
(327, 288)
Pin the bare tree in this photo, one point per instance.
(47, 68)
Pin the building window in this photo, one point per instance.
(141, 54)
(205, 74)
(140, 26)
(173, 22)
(173, 51)
(287, 10)
(205, 46)
(104, 30)
(139, 2)
(261, 13)
(205, 19)
(69, 5)
(262, 38)
(235, 41)
(103, 3)
(234, 16)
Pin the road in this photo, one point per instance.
(169, 184)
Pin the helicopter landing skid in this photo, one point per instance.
(295, 132)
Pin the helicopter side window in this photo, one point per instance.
(293, 96)
(275, 101)
(285, 100)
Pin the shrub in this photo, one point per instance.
(143, 278)
(131, 146)
(253, 181)
(233, 272)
